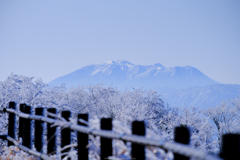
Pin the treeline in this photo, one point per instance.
(99, 101)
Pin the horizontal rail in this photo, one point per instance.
(173, 146)
(30, 151)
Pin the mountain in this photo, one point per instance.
(178, 86)
(201, 97)
(123, 74)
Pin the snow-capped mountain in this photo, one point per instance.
(178, 86)
(123, 74)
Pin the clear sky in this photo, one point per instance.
(51, 38)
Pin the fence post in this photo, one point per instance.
(181, 135)
(51, 134)
(39, 130)
(26, 137)
(65, 133)
(11, 122)
(82, 139)
(230, 147)
(106, 144)
(138, 150)
(21, 121)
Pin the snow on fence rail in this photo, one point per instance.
(180, 148)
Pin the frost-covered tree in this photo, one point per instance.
(202, 136)
(95, 100)
(224, 118)
(123, 107)
(22, 89)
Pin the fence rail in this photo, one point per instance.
(180, 148)
(30, 151)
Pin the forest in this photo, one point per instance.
(206, 125)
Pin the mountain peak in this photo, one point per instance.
(110, 62)
(158, 66)
(118, 62)
(123, 62)
(124, 74)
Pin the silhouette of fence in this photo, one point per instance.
(230, 142)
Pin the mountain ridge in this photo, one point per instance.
(178, 86)
(123, 74)
(202, 97)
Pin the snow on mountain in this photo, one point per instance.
(123, 74)
(178, 86)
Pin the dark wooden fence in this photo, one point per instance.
(230, 149)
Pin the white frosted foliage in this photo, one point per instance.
(123, 107)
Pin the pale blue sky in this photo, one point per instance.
(51, 38)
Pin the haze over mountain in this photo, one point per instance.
(178, 86)
(203, 97)
(123, 74)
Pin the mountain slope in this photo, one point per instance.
(123, 74)
(202, 97)
(178, 86)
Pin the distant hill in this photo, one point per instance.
(123, 74)
(178, 86)
(202, 97)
